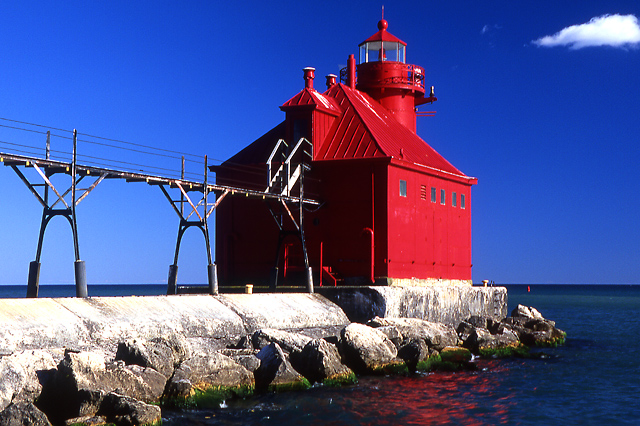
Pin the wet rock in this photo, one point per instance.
(21, 375)
(464, 330)
(275, 372)
(436, 335)
(23, 414)
(203, 371)
(126, 411)
(412, 351)
(162, 354)
(87, 421)
(320, 360)
(286, 340)
(478, 339)
(364, 348)
(455, 355)
(83, 379)
(532, 328)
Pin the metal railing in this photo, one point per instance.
(405, 75)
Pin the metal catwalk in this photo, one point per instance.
(190, 199)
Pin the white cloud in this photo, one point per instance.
(607, 30)
(488, 28)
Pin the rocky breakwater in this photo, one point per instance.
(129, 383)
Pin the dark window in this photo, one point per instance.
(462, 206)
(299, 130)
(403, 188)
(442, 197)
(454, 199)
(433, 194)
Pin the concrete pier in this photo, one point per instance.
(102, 322)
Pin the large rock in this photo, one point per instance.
(275, 372)
(286, 340)
(23, 414)
(203, 371)
(245, 357)
(532, 328)
(126, 411)
(455, 355)
(87, 421)
(414, 350)
(365, 349)
(163, 354)
(478, 339)
(436, 335)
(526, 312)
(393, 334)
(320, 360)
(535, 332)
(20, 376)
(83, 379)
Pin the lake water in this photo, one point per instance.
(594, 379)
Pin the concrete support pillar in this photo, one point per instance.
(34, 279)
(212, 272)
(81, 279)
(274, 280)
(172, 285)
(310, 280)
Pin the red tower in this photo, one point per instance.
(384, 75)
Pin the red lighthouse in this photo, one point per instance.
(392, 210)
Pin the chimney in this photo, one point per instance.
(331, 80)
(309, 74)
(351, 72)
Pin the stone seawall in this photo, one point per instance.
(118, 360)
(104, 321)
(438, 303)
(101, 322)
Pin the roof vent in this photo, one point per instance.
(331, 80)
(309, 74)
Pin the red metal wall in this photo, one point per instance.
(355, 199)
(413, 237)
(428, 239)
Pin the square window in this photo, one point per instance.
(462, 206)
(442, 197)
(454, 199)
(433, 194)
(403, 188)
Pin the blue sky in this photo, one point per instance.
(542, 109)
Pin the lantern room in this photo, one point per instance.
(382, 46)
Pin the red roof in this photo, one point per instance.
(314, 100)
(366, 129)
(383, 35)
(362, 129)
